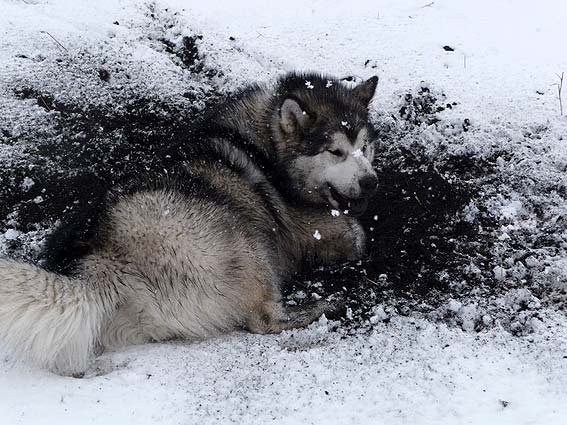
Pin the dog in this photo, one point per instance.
(270, 182)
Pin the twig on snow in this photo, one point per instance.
(44, 103)
(559, 92)
(57, 41)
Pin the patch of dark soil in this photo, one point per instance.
(422, 107)
(45, 101)
(96, 148)
(187, 52)
(417, 240)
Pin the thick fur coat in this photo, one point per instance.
(200, 245)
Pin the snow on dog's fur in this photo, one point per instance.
(200, 245)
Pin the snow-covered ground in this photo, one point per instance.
(405, 372)
(426, 368)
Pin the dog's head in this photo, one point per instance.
(325, 141)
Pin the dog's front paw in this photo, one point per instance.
(328, 240)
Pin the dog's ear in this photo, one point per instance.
(365, 91)
(293, 117)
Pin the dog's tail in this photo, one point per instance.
(50, 319)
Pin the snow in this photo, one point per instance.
(11, 234)
(480, 358)
(27, 183)
(405, 371)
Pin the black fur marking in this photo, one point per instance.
(333, 107)
(73, 239)
(199, 148)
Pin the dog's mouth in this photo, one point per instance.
(354, 206)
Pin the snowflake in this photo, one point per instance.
(329, 84)
(335, 213)
(317, 235)
(357, 153)
(27, 183)
(308, 84)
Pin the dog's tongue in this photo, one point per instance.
(356, 207)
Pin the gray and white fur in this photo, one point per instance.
(256, 192)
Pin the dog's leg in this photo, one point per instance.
(303, 315)
(325, 239)
(273, 317)
(123, 329)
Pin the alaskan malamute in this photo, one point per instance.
(272, 181)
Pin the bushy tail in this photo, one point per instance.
(50, 319)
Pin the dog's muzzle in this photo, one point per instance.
(355, 206)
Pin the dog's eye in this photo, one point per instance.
(364, 148)
(336, 152)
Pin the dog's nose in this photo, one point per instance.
(368, 184)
